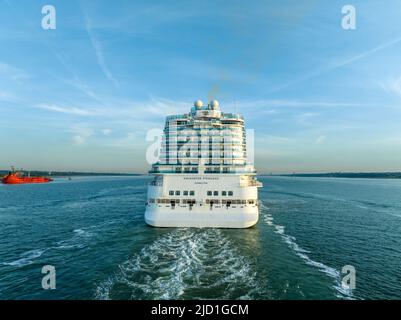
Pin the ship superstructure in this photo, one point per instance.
(203, 178)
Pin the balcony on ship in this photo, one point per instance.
(156, 182)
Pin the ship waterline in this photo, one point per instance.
(203, 178)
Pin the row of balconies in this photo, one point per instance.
(203, 143)
(204, 131)
(224, 116)
(207, 128)
(199, 148)
(224, 170)
(214, 160)
(201, 152)
(249, 183)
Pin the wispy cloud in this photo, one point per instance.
(97, 46)
(76, 81)
(337, 65)
(320, 139)
(81, 133)
(282, 103)
(66, 110)
(8, 97)
(78, 84)
(153, 109)
(13, 73)
(131, 140)
(272, 139)
(306, 118)
(391, 86)
(107, 132)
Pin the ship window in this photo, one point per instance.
(230, 193)
(185, 193)
(209, 193)
(171, 193)
(215, 193)
(177, 193)
(224, 193)
(191, 193)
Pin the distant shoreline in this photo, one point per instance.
(366, 175)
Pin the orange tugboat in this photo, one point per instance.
(14, 177)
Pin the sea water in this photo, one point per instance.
(91, 229)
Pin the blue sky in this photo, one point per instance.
(83, 96)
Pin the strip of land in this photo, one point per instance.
(368, 175)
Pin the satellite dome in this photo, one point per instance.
(198, 104)
(214, 104)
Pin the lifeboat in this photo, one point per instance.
(17, 178)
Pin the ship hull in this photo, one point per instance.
(25, 182)
(200, 210)
(236, 218)
(14, 179)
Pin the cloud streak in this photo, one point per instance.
(8, 97)
(66, 110)
(120, 109)
(392, 86)
(81, 133)
(97, 46)
(282, 103)
(13, 73)
(338, 65)
(76, 82)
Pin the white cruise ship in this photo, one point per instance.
(203, 178)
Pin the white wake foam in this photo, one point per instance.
(203, 261)
(26, 259)
(81, 237)
(302, 253)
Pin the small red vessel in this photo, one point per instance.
(16, 178)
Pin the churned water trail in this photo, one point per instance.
(186, 263)
(305, 254)
(27, 258)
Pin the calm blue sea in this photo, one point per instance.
(92, 231)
